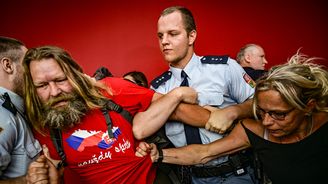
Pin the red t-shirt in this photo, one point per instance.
(95, 158)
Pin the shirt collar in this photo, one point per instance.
(192, 64)
(15, 99)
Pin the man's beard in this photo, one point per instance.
(63, 116)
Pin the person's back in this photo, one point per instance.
(252, 58)
(18, 148)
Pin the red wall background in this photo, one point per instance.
(121, 35)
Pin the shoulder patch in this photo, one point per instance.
(214, 59)
(249, 80)
(161, 79)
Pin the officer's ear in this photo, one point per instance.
(7, 65)
(248, 57)
(192, 37)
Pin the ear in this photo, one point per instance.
(192, 37)
(7, 65)
(310, 106)
(248, 57)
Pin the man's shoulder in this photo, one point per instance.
(161, 79)
(214, 59)
(5, 114)
(8, 124)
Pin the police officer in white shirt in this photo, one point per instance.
(220, 82)
(18, 148)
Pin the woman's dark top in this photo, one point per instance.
(305, 161)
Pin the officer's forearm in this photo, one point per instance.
(194, 115)
(243, 110)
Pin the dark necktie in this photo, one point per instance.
(192, 133)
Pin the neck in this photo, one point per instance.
(7, 86)
(184, 61)
(6, 81)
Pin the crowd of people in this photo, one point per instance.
(208, 119)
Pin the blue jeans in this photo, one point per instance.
(229, 178)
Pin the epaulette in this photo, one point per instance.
(215, 59)
(160, 79)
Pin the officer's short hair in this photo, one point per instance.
(242, 51)
(11, 48)
(187, 16)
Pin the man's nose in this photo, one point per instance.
(164, 40)
(54, 89)
(265, 61)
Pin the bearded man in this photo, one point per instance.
(59, 96)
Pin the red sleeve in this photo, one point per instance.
(130, 96)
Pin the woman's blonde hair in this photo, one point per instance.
(298, 81)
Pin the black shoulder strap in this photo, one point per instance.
(112, 106)
(56, 138)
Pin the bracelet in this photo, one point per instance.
(60, 165)
(160, 156)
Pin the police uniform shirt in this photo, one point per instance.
(18, 148)
(219, 82)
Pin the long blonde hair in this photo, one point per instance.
(90, 94)
(298, 81)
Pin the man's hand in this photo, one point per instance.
(220, 120)
(55, 173)
(38, 171)
(144, 149)
(186, 94)
(43, 170)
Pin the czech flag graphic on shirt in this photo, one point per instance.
(83, 138)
